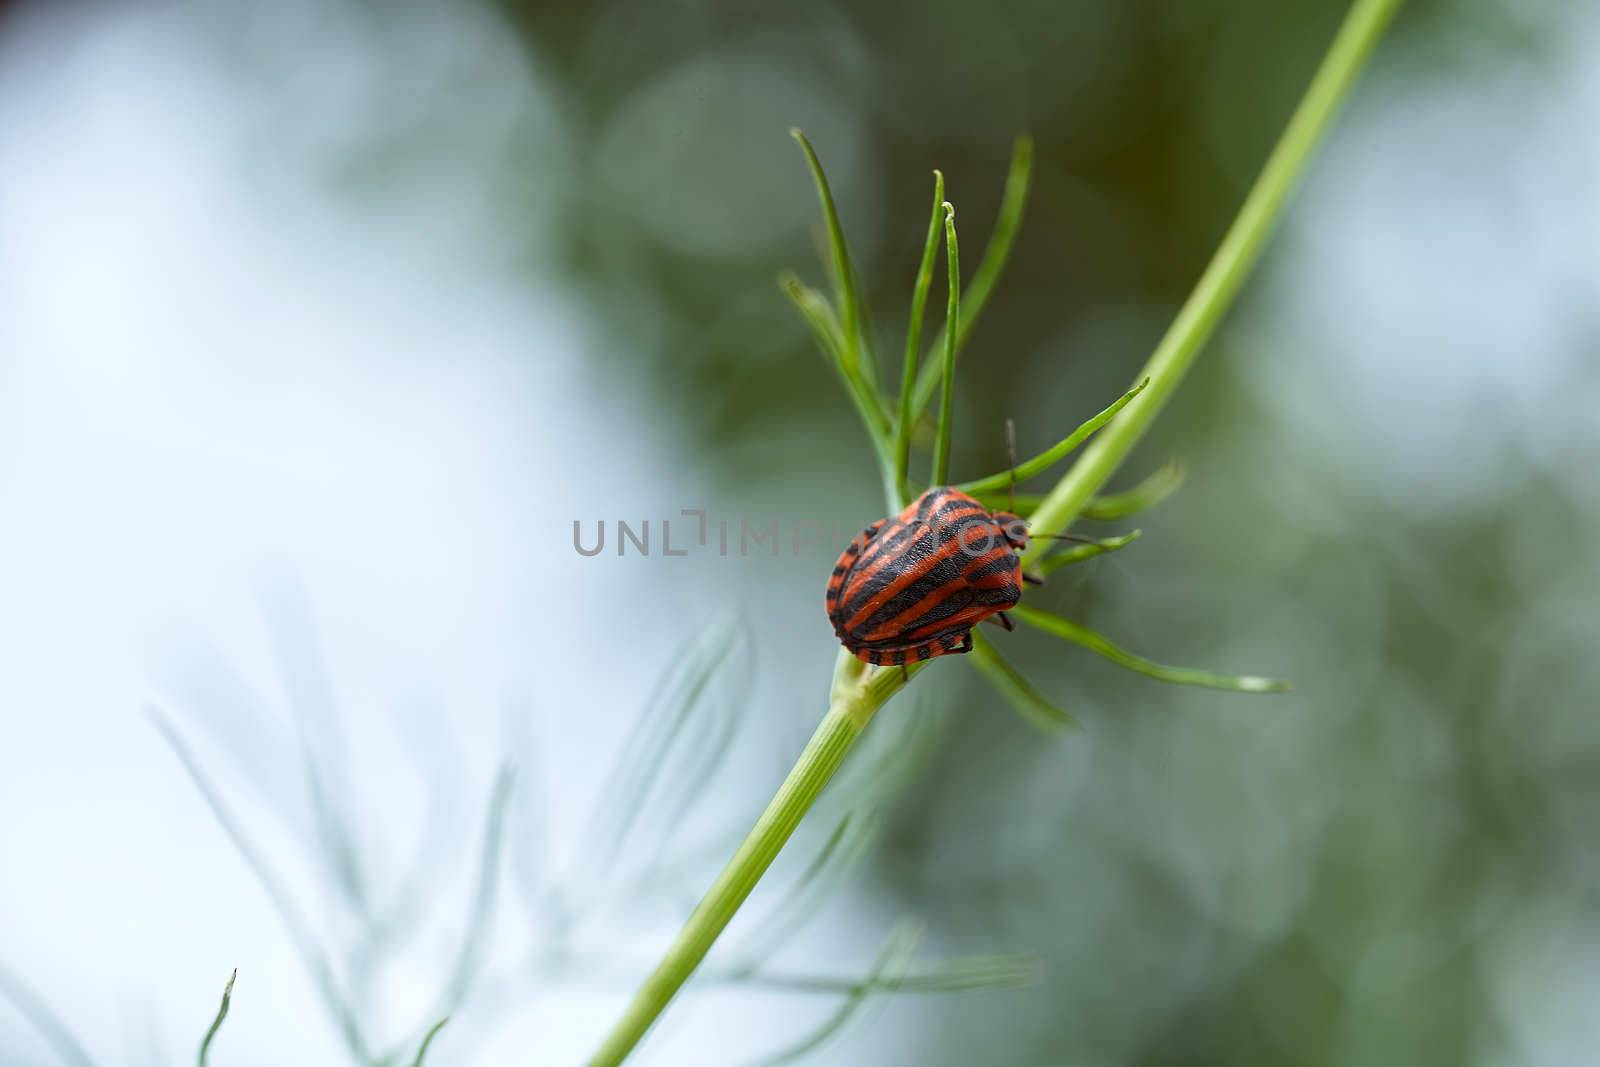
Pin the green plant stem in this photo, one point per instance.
(1226, 273)
(857, 694)
(857, 697)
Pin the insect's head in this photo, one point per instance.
(1013, 528)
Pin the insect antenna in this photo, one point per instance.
(1066, 537)
(1011, 458)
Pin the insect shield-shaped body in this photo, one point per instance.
(913, 587)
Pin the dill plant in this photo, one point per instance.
(858, 691)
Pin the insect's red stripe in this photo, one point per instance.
(949, 574)
(862, 607)
(915, 557)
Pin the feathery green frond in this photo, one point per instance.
(892, 963)
(299, 930)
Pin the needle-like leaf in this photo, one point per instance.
(469, 956)
(908, 374)
(1082, 635)
(427, 1040)
(965, 974)
(989, 269)
(316, 961)
(1051, 456)
(216, 1024)
(1078, 553)
(857, 359)
(54, 1029)
(1156, 487)
(952, 322)
(1023, 697)
(892, 965)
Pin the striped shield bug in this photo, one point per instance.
(913, 587)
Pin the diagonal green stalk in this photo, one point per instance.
(858, 696)
(1229, 267)
(857, 693)
(908, 374)
(952, 330)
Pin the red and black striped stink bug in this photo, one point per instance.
(913, 587)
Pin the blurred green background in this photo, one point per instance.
(1391, 447)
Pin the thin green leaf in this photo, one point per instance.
(1051, 456)
(1078, 553)
(892, 963)
(818, 314)
(844, 276)
(480, 918)
(908, 374)
(216, 1024)
(51, 1026)
(698, 755)
(1023, 697)
(299, 930)
(651, 742)
(830, 339)
(1082, 635)
(966, 974)
(864, 397)
(427, 1040)
(1160, 484)
(990, 267)
(952, 320)
(323, 747)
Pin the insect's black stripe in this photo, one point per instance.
(947, 572)
(930, 539)
(926, 502)
(949, 634)
(939, 613)
(1005, 563)
(890, 535)
(926, 543)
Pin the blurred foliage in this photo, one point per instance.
(1394, 863)
(1337, 879)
